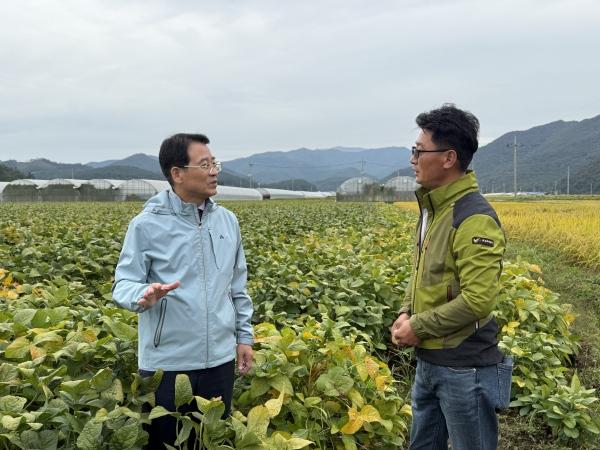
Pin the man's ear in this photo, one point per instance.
(451, 159)
(176, 174)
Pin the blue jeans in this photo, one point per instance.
(460, 403)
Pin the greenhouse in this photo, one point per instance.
(24, 190)
(313, 194)
(278, 194)
(100, 190)
(3, 184)
(60, 190)
(140, 189)
(236, 193)
(356, 189)
(400, 189)
(364, 189)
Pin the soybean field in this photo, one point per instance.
(326, 279)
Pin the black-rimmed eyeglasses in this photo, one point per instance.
(416, 152)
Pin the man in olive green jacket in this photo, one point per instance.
(462, 377)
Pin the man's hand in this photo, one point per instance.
(402, 333)
(401, 318)
(244, 358)
(155, 292)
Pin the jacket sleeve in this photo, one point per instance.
(132, 269)
(478, 248)
(240, 297)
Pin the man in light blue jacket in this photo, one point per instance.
(183, 269)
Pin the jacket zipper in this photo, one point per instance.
(205, 214)
(430, 219)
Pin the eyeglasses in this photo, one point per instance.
(217, 166)
(415, 152)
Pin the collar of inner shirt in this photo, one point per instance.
(201, 210)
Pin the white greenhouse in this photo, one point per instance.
(61, 190)
(100, 190)
(140, 189)
(236, 193)
(23, 190)
(3, 184)
(356, 185)
(279, 194)
(402, 184)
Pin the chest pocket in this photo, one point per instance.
(223, 249)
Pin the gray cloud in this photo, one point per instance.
(92, 80)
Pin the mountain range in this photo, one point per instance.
(544, 155)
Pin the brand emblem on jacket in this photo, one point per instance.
(483, 241)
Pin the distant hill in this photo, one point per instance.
(584, 180)
(44, 169)
(9, 174)
(318, 166)
(543, 155)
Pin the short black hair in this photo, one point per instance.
(174, 152)
(451, 127)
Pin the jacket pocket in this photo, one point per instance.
(504, 369)
(234, 313)
(160, 323)
(222, 248)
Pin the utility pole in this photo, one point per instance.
(514, 146)
(250, 173)
(568, 179)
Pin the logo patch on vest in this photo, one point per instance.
(483, 241)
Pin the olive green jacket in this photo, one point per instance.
(456, 269)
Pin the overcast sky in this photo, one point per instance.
(85, 80)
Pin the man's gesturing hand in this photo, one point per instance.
(155, 292)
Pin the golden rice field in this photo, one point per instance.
(570, 226)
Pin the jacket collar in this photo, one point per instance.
(168, 202)
(439, 198)
(181, 208)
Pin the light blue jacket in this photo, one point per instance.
(198, 324)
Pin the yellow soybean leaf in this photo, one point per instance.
(372, 366)
(274, 405)
(517, 351)
(258, 420)
(381, 382)
(36, 352)
(354, 422)
(406, 409)
(369, 414)
(362, 371)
